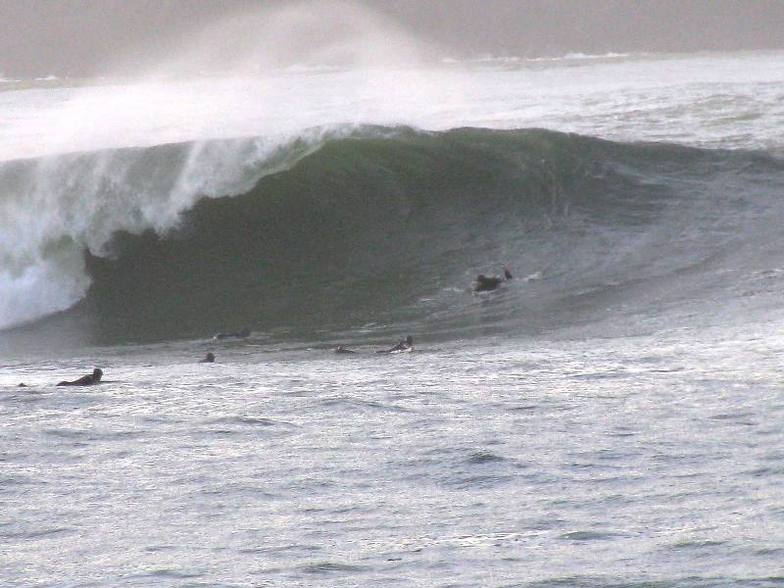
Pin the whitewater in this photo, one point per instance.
(610, 417)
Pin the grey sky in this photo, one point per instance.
(78, 37)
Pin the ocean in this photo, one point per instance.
(610, 417)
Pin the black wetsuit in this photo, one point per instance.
(485, 284)
(87, 380)
(406, 344)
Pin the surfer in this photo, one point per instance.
(209, 358)
(406, 344)
(343, 349)
(88, 380)
(488, 283)
(241, 334)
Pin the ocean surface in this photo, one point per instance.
(610, 417)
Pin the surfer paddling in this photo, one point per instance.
(209, 358)
(488, 283)
(88, 380)
(406, 344)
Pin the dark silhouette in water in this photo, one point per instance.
(87, 380)
(209, 358)
(241, 334)
(22, 385)
(406, 345)
(343, 349)
(488, 283)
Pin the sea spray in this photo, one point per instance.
(129, 154)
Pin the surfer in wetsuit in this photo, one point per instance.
(88, 380)
(343, 349)
(488, 283)
(242, 334)
(406, 344)
(209, 358)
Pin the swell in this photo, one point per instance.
(384, 229)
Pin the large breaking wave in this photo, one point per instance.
(384, 228)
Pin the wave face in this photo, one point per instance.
(385, 228)
(53, 209)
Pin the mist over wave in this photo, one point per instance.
(72, 165)
(101, 178)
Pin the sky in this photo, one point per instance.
(89, 37)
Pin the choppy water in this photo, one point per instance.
(612, 417)
(635, 462)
